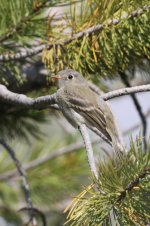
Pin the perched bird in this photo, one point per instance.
(81, 105)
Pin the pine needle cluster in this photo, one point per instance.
(125, 183)
(107, 38)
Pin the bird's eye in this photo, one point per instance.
(70, 76)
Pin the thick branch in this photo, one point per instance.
(46, 101)
(22, 100)
(87, 32)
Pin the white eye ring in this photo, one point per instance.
(70, 76)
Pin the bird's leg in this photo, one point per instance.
(89, 149)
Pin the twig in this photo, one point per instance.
(89, 149)
(87, 32)
(125, 91)
(25, 184)
(133, 184)
(38, 212)
(138, 107)
(43, 159)
(45, 101)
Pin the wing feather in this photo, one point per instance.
(84, 101)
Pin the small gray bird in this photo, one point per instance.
(81, 105)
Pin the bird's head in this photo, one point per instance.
(68, 76)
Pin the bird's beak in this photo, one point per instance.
(56, 77)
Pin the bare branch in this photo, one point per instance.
(89, 149)
(25, 184)
(125, 91)
(38, 212)
(24, 101)
(87, 32)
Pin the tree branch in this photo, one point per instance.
(22, 22)
(38, 212)
(125, 91)
(133, 184)
(87, 32)
(25, 184)
(24, 101)
(89, 149)
(50, 100)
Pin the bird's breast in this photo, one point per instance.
(70, 114)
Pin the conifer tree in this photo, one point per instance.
(102, 39)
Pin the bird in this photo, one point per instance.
(81, 105)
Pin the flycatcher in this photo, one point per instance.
(81, 105)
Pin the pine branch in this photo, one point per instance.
(87, 32)
(133, 184)
(24, 53)
(25, 184)
(23, 21)
(130, 174)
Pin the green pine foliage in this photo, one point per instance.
(121, 44)
(29, 23)
(22, 24)
(126, 186)
(51, 183)
(22, 123)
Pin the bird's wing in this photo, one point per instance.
(85, 102)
